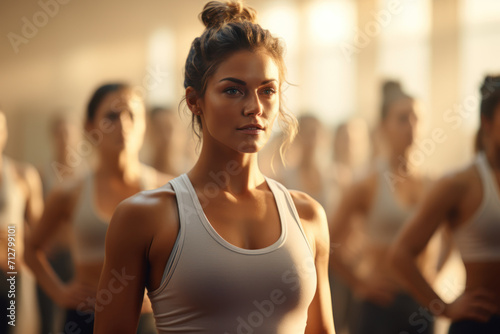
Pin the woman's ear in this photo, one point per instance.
(192, 100)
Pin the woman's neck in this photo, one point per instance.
(399, 162)
(230, 171)
(123, 166)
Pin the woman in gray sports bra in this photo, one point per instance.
(379, 204)
(115, 125)
(467, 203)
(223, 249)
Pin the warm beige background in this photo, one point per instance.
(89, 42)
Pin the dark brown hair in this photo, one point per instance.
(490, 98)
(490, 95)
(99, 95)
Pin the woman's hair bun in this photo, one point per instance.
(217, 13)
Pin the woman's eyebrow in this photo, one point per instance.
(238, 81)
(243, 83)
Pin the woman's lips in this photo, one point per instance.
(251, 131)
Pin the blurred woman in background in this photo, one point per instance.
(384, 199)
(169, 142)
(307, 173)
(115, 124)
(21, 205)
(62, 166)
(467, 203)
(350, 153)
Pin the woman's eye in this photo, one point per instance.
(231, 91)
(269, 91)
(113, 116)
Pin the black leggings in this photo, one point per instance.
(403, 316)
(471, 326)
(83, 323)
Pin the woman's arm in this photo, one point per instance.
(314, 222)
(34, 203)
(124, 276)
(437, 207)
(340, 228)
(57, 211)
(355, 202)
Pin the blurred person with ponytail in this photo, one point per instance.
(115, 124)
(224, 249)
(467, 203)
(382, 200)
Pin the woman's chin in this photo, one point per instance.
(253, 146)
(249, 148)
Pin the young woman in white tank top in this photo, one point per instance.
(223, 249)
(115, 125)
(384, 199)
(467, 203)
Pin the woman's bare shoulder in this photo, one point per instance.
(458, 181)
(307, 207)
(147, 210)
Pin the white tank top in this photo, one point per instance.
(479, 239)
(212, 286)
(89, 229)
(387, 215)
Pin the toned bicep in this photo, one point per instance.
(124, 274)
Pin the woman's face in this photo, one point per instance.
(119, 123)
(241, 102)
(400, 124)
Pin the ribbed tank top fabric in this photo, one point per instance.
(478, 239)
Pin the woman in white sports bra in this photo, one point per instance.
(115, 125)
(467, 202)
(223, 249)
(381, 201)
